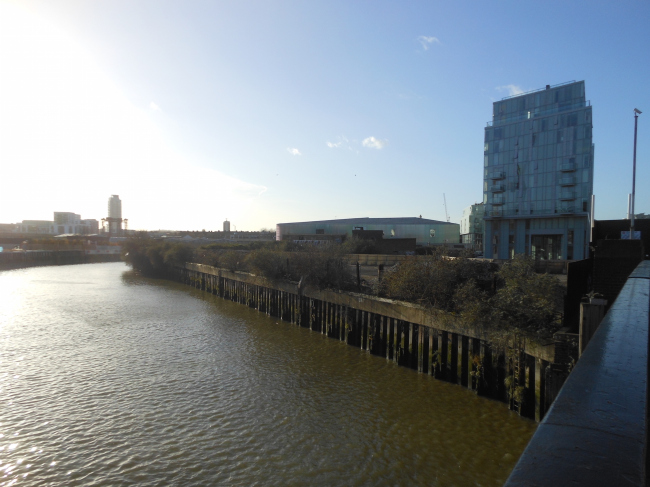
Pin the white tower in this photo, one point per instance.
(114, 215)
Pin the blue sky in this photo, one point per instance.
(274, 111)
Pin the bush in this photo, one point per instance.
(321, 266)
(526, 301)
(154, 258)
(510, 300)
(435, 282)
(267, 263)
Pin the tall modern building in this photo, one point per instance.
(538, 174)
(114, 219)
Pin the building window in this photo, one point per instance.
(320, 231)
(546, 247)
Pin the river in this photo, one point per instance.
(107, 378)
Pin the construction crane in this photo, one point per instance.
(445, 199)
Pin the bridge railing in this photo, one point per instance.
(596, 432)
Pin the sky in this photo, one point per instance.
(273, 111)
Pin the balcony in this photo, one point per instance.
(498, 200)
(568, 181)
(567, 195)
(566, 209)
(496, 212)
(497, 175)
(498, 188)
(568, 167)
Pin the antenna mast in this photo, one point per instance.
(445, 199)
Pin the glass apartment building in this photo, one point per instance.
(538, 174)
(471, 226)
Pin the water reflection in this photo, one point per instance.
(116, 379)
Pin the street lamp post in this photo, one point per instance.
(637, 112)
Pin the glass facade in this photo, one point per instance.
(538, 174)
(471, 226)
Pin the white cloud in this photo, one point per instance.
(293, 151)
(154, 107)
(428, 41)
(339, 143)
(511, 89)
(373, 143)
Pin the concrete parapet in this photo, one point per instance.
(595, 433)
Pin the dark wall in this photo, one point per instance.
(368, 234)
(396, 245)
(614, 261)
(579, 283)
(611, 230)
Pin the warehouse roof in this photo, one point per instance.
(408, 220)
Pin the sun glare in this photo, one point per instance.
(69, 138)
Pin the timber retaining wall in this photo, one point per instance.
(412, 336)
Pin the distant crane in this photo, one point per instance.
(445, 199)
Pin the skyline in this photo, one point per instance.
(265, 113)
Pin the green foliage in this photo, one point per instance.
(232, 260)
(155, 258)
(267, 263)
(526, 301)
(321, 266)
(438, 282)
(504, 302)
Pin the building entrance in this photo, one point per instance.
(546, 247)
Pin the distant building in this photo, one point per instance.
(64, 223)
(44, 227)
(92, 226)
(243, 236)
(114, 219)
(471, 226)
(425, 232)
(226, 226)
(538, 174)
(8, 227)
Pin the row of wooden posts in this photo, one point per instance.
(469, 362)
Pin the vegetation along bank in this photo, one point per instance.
(492, 329)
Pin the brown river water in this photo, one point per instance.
(107, 379)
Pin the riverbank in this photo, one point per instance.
(36, 258)
(526, 376)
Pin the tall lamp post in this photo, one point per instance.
(637, 112)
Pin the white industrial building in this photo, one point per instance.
(426, 232)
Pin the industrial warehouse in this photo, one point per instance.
(421, 231)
